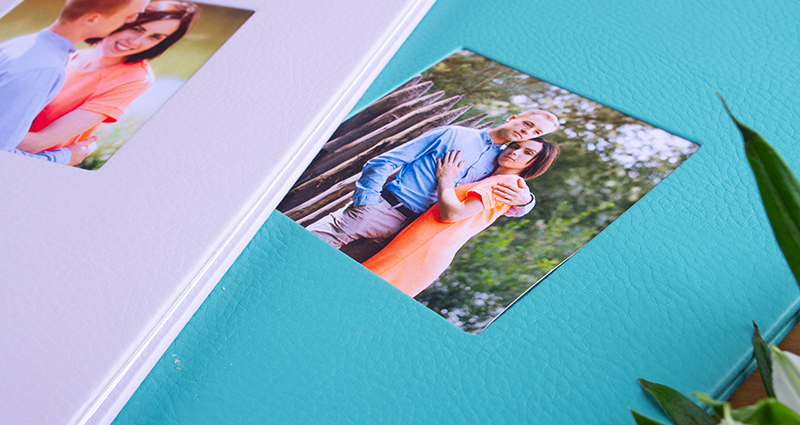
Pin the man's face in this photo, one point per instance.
(106, 24)
(525, 127)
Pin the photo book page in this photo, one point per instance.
(471, 182)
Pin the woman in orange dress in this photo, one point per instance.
(424, 249)
(102, 81)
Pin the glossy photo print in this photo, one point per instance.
(465, 186)
(79, 77)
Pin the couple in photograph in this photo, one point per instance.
(53, 98)
(452, 182)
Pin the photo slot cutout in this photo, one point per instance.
(468, 184)
(97, 82)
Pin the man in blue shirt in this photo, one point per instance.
(380, 210)
(33, 66)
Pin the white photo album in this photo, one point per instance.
(102, 266)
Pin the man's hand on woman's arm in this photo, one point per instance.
(512, 194)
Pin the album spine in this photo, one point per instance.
(113, 397)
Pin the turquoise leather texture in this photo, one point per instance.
(298, 333)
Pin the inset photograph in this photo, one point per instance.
(79, 78)
(467, 185)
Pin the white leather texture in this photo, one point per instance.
(100, 269)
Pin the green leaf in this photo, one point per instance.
(768, 411)
(644, 420)
(680, 409)
(786, 377)
(780, 192)
(716, 404)
(764, 360)
(727, 419)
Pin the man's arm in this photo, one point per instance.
(65, 128)
(377, 170)
(20, 105)
(70, 155)
(61, 156)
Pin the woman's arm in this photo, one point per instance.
(60, 130)
(451, 209)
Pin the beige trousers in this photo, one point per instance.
(379, 222)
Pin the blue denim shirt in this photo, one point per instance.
(415, 185)
(32, 71)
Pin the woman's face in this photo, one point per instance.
(517, 155)
(138, 39)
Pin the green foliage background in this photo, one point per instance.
(608, 161)
(213, 27)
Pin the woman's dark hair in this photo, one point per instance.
(160, 10)
(543, 159)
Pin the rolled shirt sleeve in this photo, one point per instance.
(59, 156)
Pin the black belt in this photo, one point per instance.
(393, 201)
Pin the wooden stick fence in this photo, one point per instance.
(397, 118)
